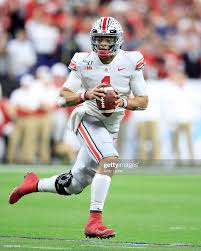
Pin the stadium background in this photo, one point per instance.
(40, 37)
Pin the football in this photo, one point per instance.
(107, 104)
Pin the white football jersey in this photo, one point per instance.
(124, 74)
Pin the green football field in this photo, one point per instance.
(147, 212)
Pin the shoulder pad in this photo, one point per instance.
(77, 59)
(137, 58)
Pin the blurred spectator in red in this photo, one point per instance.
(23, 138)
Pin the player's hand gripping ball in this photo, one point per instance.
(106, 104)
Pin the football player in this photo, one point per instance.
(91, 72)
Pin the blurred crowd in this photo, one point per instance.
(33, 127)
(38, 39)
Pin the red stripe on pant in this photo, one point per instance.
(89, 143)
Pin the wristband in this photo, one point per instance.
(86, 95)
(125, 102)
(83, 96)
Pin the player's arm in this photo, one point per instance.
(138, 88)
(68, 98)
(69, 95)
(137, 103)
(140, 99)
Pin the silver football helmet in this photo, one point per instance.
(106, 27)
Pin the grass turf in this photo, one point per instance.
(142, 209)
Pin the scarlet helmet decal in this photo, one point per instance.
(104, 23)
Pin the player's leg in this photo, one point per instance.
(100, 146)
(29, 185)
(99, 191)
(79, 177)
(69, 183)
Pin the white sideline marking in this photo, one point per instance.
(10, 246)
(178, 228)
(110, 246)
(66, 248)
(174, 228)
(37, 247)
(116, 244)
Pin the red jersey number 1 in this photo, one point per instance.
(106, 79)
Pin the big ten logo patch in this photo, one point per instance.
(88, 67)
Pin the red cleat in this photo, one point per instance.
(95, 228)
(29, 185)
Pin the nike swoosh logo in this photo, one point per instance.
(101, 231)
(120, 69)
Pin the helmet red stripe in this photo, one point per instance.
(104, 24)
